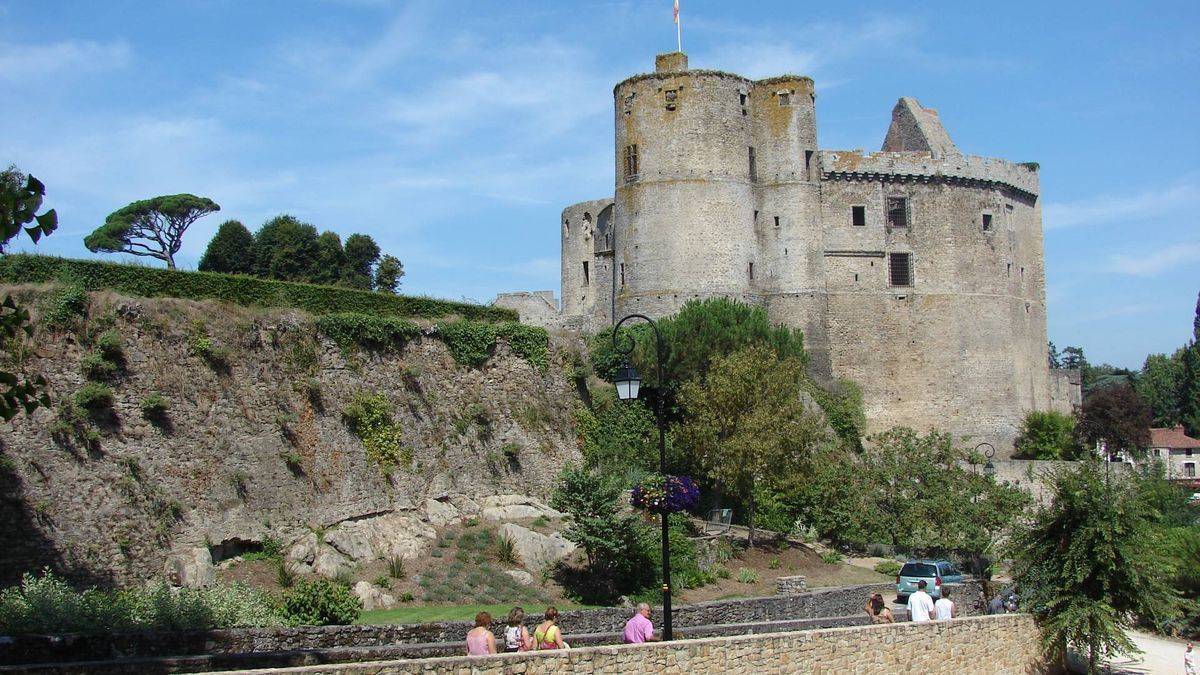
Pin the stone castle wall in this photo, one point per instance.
(1003, 644)
(962, 349)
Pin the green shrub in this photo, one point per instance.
(406, 597)
(774, 564)
(320, 603)
(506, 551)
(206, 348)
(96, 367)
(95, 397)
(370, 418)
(362, 330)
(747, 576)
(531, 343)
(888, 568)
(396, 568)
(383, 581)
(64, 306)
(109, 345)
(469, 343)
(46, 604)
(719, 570)
(241, 290)
(1045, 435)
(285, 576)
(832, 558)
(511, 451)
(154, 406)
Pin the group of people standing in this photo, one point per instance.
(481, 641)
(921, 607)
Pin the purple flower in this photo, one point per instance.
(666, 494)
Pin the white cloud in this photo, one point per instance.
(31, 61)
(1157, 262)
(1143, 205)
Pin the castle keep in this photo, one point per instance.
(916, 271)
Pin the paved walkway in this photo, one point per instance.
(1161, 655)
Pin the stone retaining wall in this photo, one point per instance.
(1004, 644)
(830, 602)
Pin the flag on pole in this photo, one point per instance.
(676, 11)
(678, 29)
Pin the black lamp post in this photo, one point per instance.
(989, 469)
(629, 383)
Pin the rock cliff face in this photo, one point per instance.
(253, 445)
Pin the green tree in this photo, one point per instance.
(1047, 435)
(1088, 564)
(1053, 355)
(361, 255)
(285, 249)
(746, 424)
(1189, 379)
(612, 539)
(20, 198)
(331, 259)
(620, 438)
(151, 227)
(230, 251)
(1073, 357)
(388, 274)
(1158, 385)
(1117, 417)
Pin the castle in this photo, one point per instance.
(916, 272)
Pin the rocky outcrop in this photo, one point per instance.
(537, 550)
(252, 444)
(192, 568)
(373, 597)
(515, 507)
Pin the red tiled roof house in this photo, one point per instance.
(1178, 451)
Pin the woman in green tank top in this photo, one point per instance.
(547, 635)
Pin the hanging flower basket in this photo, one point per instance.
(665, 494)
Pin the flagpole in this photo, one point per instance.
(678, 31)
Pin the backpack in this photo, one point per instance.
(512, 639)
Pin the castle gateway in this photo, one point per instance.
(916, 272)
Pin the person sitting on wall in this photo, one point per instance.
(639, 629)
(480, 640)
(878, 610)
(547, 635)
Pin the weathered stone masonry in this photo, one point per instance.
(916, 271)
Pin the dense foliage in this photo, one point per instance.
(613, 541)
(20, 198)
(157, 282)
(47, 604)
(321, 603)
(620, 437)
(1090, 562)
(388, 273)
(745, 422)
(471, 343)
(907, 490)
(150, 227)
(362, 330)
(1116, 417)
(230, 251)
(1047, 435)
(369, 416)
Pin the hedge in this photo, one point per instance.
(242, 290)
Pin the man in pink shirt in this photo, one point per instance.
(639, 629)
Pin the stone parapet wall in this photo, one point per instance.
(923, 165)
(845, 601)
(990, 644)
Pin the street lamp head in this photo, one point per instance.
(989, 469)
(628, 382)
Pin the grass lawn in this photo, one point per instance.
(429, 613)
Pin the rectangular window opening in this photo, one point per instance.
(776, 221)
(900, 270)
(808, 155)
(858, 216)
(1189, 470)
(785, 98)
(753, 166)
(987, 222)
(622, 274)
(586, 276)
(751, 270)
(897, 212)
(742, 98)
(756, 217)
(631, 161)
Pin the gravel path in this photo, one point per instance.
(1161, 655)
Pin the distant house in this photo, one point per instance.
(1178, 452)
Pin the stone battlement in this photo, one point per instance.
(923, 167)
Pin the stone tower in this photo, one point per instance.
(916, 271)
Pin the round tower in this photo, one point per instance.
(684, 199)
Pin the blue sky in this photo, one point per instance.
(455, 132)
